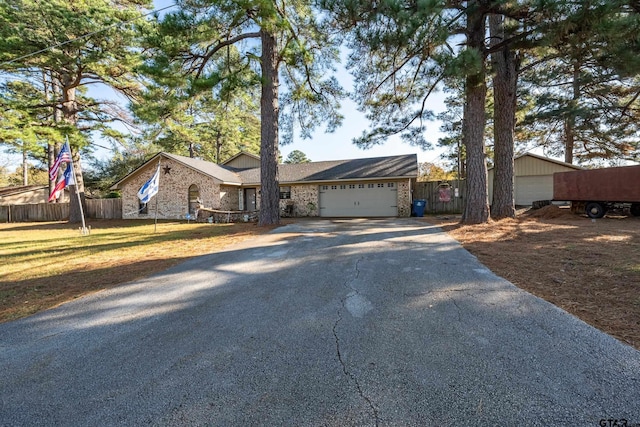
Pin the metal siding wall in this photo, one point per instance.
(532, 188)
(529, 166)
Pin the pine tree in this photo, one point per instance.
(505, 68)
(280, 44)
(22, 123)
(582, 81)
(403, 51)
(65, 46)
(297, 156)
(190, 117)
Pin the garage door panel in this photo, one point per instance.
(528, 189)
(359, 200)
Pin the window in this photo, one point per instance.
(343, 187)
(194, 199)
(370, 185)
(143, 208)
(380, 185)
(325, 187)
(334, 187)
(390, 185)
(360, 185)
(352, 186)
(285, 192)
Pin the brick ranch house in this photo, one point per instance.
(373, 187)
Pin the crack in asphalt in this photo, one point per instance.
(458, 310)
(346, 283)
(350, 374)
(345, 370)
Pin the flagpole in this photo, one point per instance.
(155, 225)
(75, 181)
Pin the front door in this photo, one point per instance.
(250, 199)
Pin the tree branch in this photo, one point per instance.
(628, 104)
(220, 45)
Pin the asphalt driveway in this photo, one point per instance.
(320, 323)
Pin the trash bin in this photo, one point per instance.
(418, 207)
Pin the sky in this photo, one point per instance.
(338, 145)
(322, 146)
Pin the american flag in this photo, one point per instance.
(64, 156)
(68, 179)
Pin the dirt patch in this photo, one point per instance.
(550, 212)
(590, 268)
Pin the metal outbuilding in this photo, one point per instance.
(533, 178)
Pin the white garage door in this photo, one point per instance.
(531, 188)
(359, 200)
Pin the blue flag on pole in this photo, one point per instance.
(150, 188)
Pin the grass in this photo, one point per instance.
(45, 264)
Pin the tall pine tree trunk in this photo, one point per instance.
(505, 82)
(269, 113)
(476, 209)
(70, 110)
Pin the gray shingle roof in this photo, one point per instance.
(405, 166)
(222, 173)
(216, 171)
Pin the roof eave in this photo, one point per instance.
(218, 181)
(324, 181)
(545, 159)
(116, 186)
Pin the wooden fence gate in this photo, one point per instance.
(441, 196)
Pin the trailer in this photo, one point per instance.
(596, 191)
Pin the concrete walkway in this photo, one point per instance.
(320, 323)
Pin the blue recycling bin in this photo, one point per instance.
(418, 207)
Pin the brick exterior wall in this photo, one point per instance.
(173, 191)
(404, 198)
(229, 198)
(304, 199)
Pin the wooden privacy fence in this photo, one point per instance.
(441, 196)
(104, 208)
(94, 209)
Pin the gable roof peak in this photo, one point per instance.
(241, 153)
